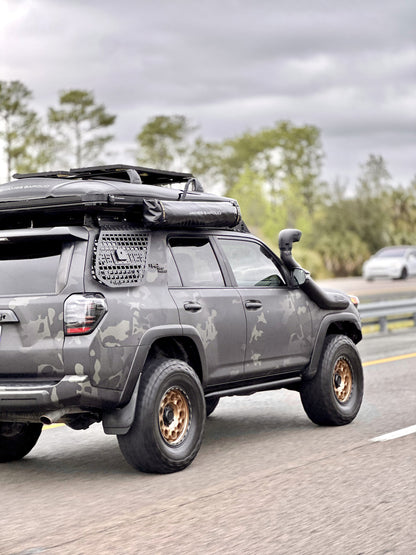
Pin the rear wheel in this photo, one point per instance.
(17, 439)
(169, 422)
(333, 397)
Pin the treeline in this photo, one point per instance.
(275, 174)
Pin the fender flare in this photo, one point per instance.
(119, 420)
(339, 318)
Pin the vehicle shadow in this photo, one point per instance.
(63, 452)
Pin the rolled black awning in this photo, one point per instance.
(157, 213)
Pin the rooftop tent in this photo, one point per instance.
(145, 196)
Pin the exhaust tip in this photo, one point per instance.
(45, 420)
(52, 417)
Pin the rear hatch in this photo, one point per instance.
(39, 268)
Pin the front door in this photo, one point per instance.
(279, 324)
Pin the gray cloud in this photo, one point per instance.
(230, 65)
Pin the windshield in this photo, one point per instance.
(391, 253)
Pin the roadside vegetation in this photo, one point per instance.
(274, 172)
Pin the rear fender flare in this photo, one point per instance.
(119, 420)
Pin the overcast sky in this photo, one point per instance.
(348, 67)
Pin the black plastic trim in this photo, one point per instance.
(325, 300)
(340, 319)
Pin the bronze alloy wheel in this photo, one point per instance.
(174, 416)
(342, 380)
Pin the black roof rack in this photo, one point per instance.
(118, 172)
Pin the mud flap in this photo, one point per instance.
(119, 421)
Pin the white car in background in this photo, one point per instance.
(391, 262)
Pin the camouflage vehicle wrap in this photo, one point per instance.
(130, 296)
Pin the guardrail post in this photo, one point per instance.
(379, 312)
(383, 324)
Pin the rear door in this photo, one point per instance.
(36, 276)
(197, 286)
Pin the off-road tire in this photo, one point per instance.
(170, 417)
(211, 404)
(16, 440)
(333, 397)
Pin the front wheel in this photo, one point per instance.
(17, 439)
(169, 422)
(333, 397)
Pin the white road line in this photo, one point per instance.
(395, 435)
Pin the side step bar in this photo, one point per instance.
(289, 383)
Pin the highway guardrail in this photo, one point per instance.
(388, 311)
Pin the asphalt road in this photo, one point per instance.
(266, 480)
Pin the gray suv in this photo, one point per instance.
(130, 296)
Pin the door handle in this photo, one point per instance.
(192, 306)
(253, 305)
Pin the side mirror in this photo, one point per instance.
(300, 275)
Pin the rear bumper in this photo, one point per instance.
(31, 400)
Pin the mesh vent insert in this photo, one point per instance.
(120, 256)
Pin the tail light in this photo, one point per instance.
(83, 312)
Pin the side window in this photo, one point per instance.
(251, 264)
(196, 262)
